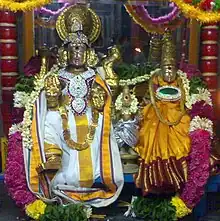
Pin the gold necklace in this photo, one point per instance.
(66, 132)
(157, 110)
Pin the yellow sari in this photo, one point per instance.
(163, 149)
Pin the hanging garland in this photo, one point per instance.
(46, 11)
(195, 12)
(23, 5)
(141, 10)
(146, 22)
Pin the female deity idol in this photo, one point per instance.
(73, 140)
(164, 143)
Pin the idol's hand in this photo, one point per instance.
(98, 97)
(53, 91)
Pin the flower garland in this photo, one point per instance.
(193, 12)
(23, 5)
(135, 81)
(132, 109)
(35, 209)
(148, 26)
(200, 132)
(141, 10)
(21, 99)
(46, 11)
(15, 179)
(39, 84)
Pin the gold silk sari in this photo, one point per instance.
(163, 149)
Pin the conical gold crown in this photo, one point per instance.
(168, 50)
(154, 57)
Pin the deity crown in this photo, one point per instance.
(76, 36)
(168, 50)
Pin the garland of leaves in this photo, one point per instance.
(156, 208)
(22, 5)
(42, 212)
(131, 71)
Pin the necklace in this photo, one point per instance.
(157, 110)
(77, 88)
(66, 132)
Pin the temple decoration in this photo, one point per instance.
(154, 25)
(46, 11)
(203, 11)
(169, 87)
(126, 129)
(209, 55)
(9, 64)
(22, 5)
(73, 95)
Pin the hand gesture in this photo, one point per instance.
(52, 86)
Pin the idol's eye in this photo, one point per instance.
(169, 68)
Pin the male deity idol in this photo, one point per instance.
(73, 139)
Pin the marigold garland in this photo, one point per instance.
(181, 208)
(36, 209)
(193, 12)
(23, 5)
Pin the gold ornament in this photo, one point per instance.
(168, 50)
(78, 17)
(66, 132)
(155, 50)
(98, 97)
(157, 110)
(111, 77)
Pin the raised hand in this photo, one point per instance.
(53, 91)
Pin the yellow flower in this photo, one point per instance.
(23, 5)
(181, 208)
(36, 209)
(194, 12)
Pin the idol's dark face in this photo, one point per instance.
(77, 54)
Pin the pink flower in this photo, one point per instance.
(198, 168)
(202, 109)
(190, 70)
(15, 177)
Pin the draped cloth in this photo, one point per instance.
(163, 149)
(74, 181)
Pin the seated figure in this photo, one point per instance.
(164, 142)
(73, 139)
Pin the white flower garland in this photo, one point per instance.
(203, 95)
(186, 87)
(39, 85)
(198, 123)
(15, 128)
(125, 110)
(135, 81)
(20, 99)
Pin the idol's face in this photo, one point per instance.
(169, 73)
(77, 54)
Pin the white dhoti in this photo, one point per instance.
(70, 184)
